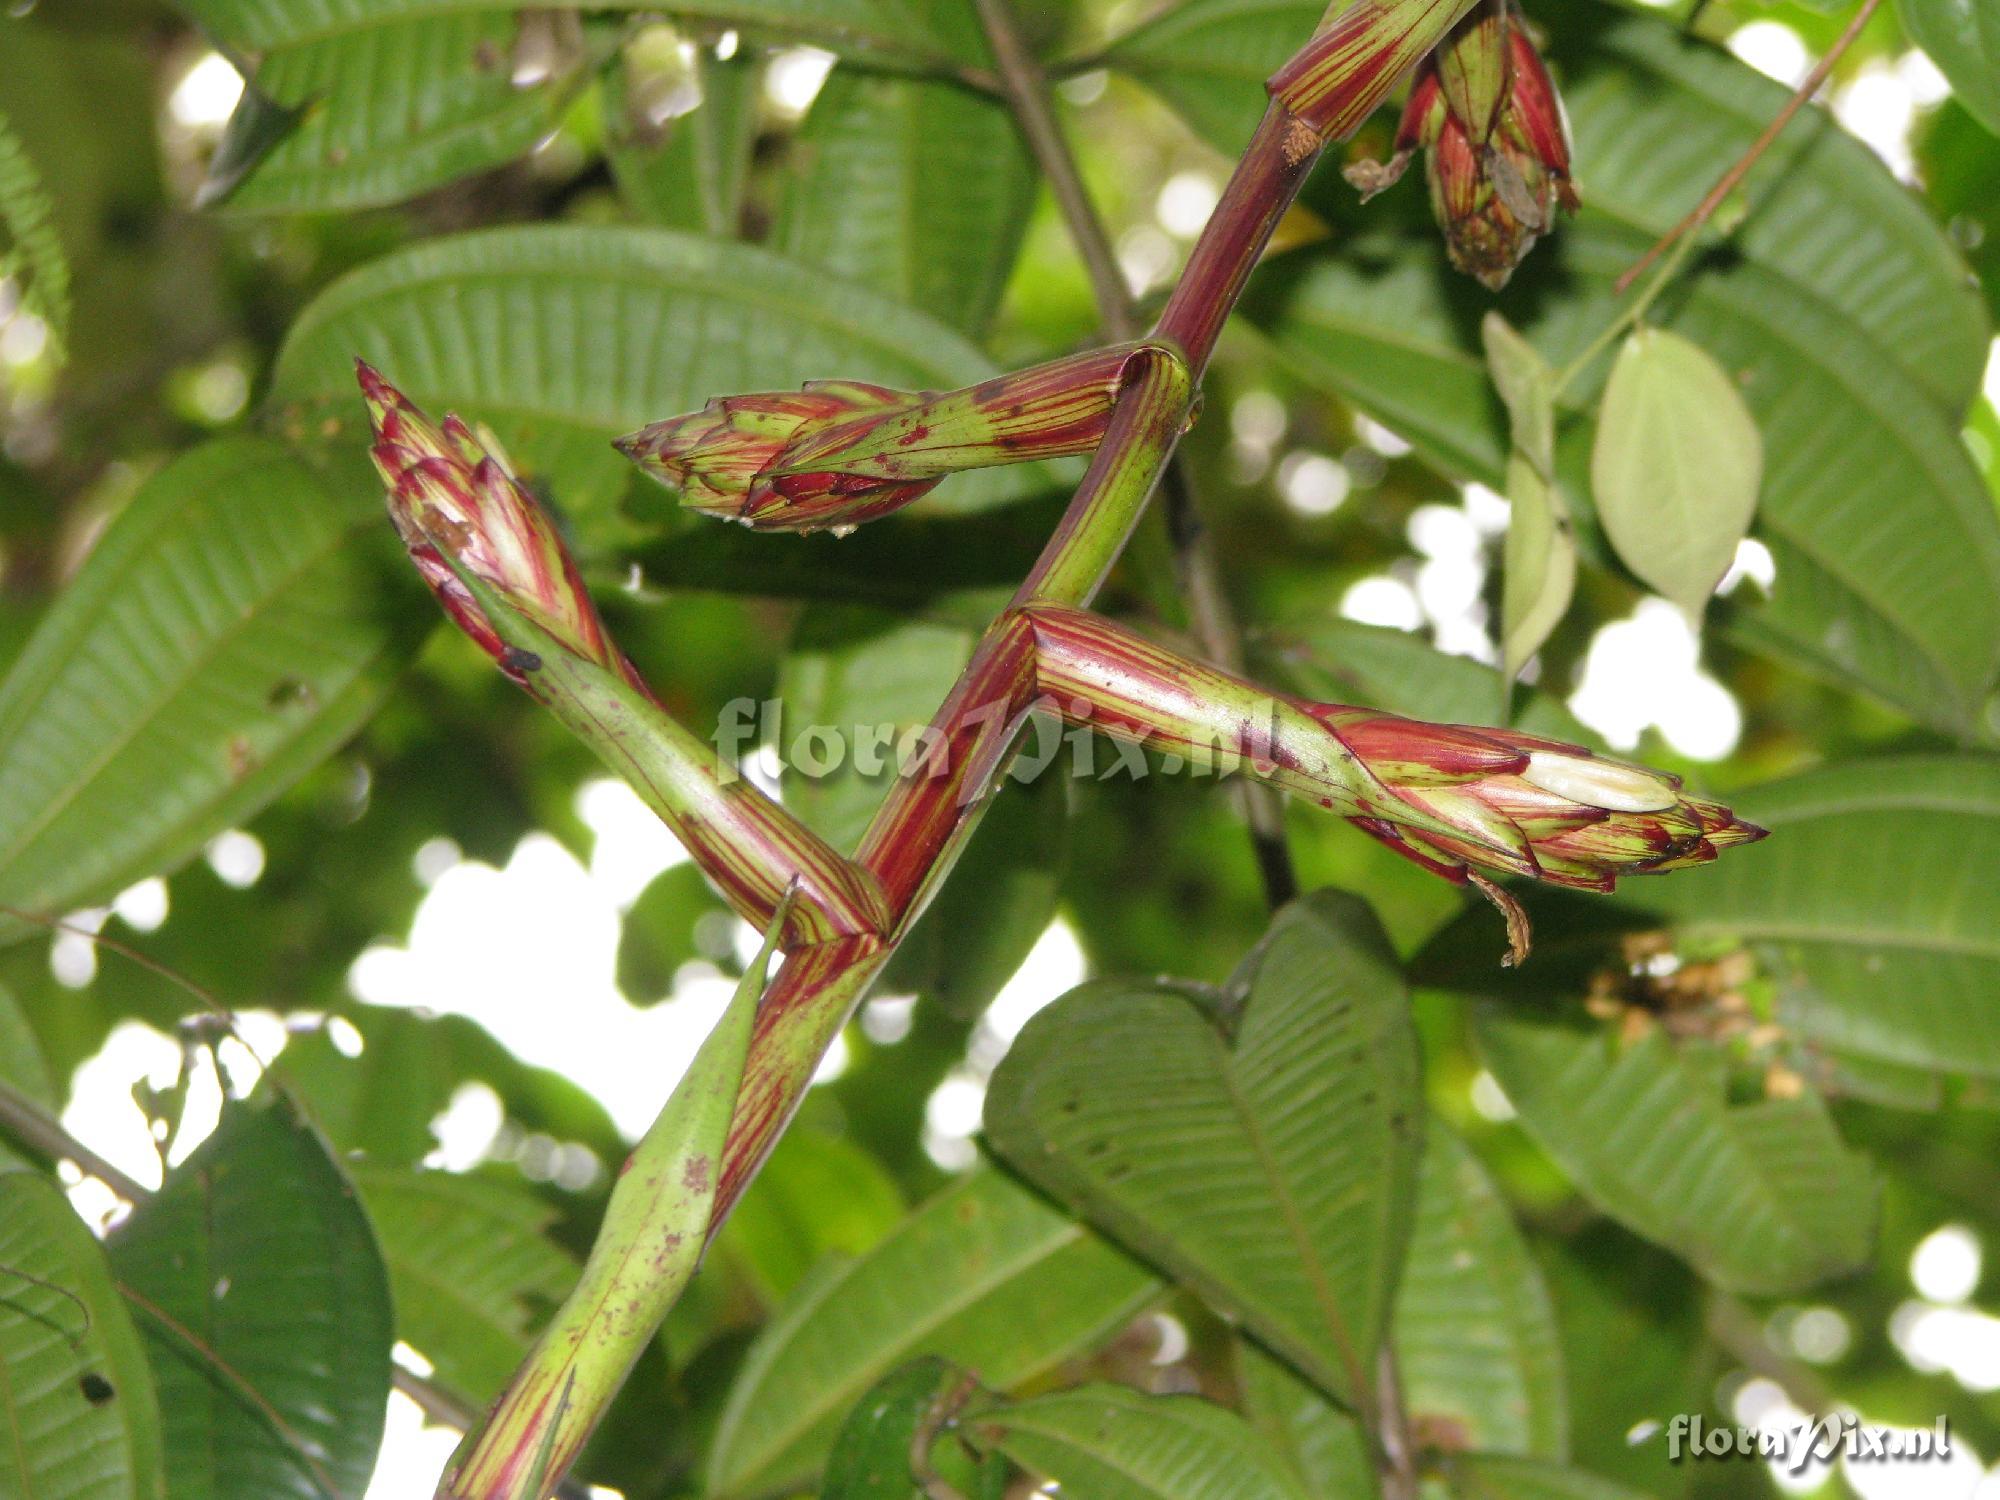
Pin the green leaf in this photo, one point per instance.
(1489, 1476)
(919, 189)
(856, 682)
(1476, 1340)
(996, 903)
(893, 30)
(1263, 1148)
(25, 1068)
(33, 246)
(1760, 1197)
(239, 619)
(83, 1420)
(471, 1268)
(389, 110)
(1538, 564)
(564, 335)
(664, 929)
(1676, 466)
(818, 1195)
(985, 1274)
(1539, 572)
(1902, 601)
(1343, 661)
(1527, 387)
(1926, 829)
(1111, 1442)
(1654, 110)
(1325, 1448)
(689, 171)
(381, 1104)
(871, 1460)
(265, 1311)
(1209, 59)
(1963, 38)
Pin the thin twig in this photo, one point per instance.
(25, 1120)
(1027, 91)
(1726, 184)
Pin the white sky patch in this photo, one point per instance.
(236, 857)
(1054, 966)
(143, 907)
(1382, 600)
(1879, 106)
(206, 94)
(1773, 49)
(1146, 255)
(1185, 202)
(413, 1454)
(1957, 1340)
(1992, 381)
(1313, 485)
(632, 845)
(794, 78)
(1645, 672)
(1754, 564)
(1946, 1264)
(530, 953)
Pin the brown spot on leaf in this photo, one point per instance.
(697, 1174)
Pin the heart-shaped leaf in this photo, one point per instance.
(265, 1311)
(1261, 1145)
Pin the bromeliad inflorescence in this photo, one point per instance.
(1466, 803)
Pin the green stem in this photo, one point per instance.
(1628, 317)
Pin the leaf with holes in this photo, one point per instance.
(82, 1421)
(1261, 1146)
(265, 1309)
(240, 618)
(985, 1274)
(1676, 466)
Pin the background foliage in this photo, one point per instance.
(1686, 1161)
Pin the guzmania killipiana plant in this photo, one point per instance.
(1469, 804)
